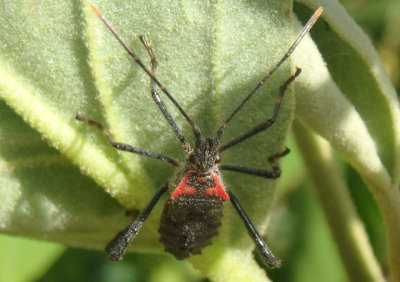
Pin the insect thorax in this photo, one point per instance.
(204, 156)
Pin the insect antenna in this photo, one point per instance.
(195, 128)
(306, 28)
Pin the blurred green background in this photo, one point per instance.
(308, 251)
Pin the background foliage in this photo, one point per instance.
(296, 216)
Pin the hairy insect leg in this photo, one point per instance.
(274, 173)
(159, 102)
(265, 124)
(116, 248)
(126, 147)
(272, 160)
(306, 28)
(269, 258)
(154, 62)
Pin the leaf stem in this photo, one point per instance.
(330, 188)
(229, 265)
(389, 203)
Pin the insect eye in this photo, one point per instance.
(217, 159)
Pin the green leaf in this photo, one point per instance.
(346, 97)
(26, 260)
(330, 188)
(58, 60)
(44, 196)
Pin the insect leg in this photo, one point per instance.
(126, 147)
(116, 248)
(265, 124)
(274, 173)
(159, 101)
(306, 28)
(263, 248)
(195, 128)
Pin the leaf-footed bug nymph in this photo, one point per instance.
(193, 211)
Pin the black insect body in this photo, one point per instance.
(189, 223)
(193, 211)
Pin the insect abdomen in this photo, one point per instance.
(188, 224)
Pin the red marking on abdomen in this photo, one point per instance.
(201, 179)
(183, 188)
(211, 191)
(218, 189)
(189, 190)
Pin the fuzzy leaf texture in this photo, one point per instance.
(61, 180)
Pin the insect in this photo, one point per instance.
(193, 211)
